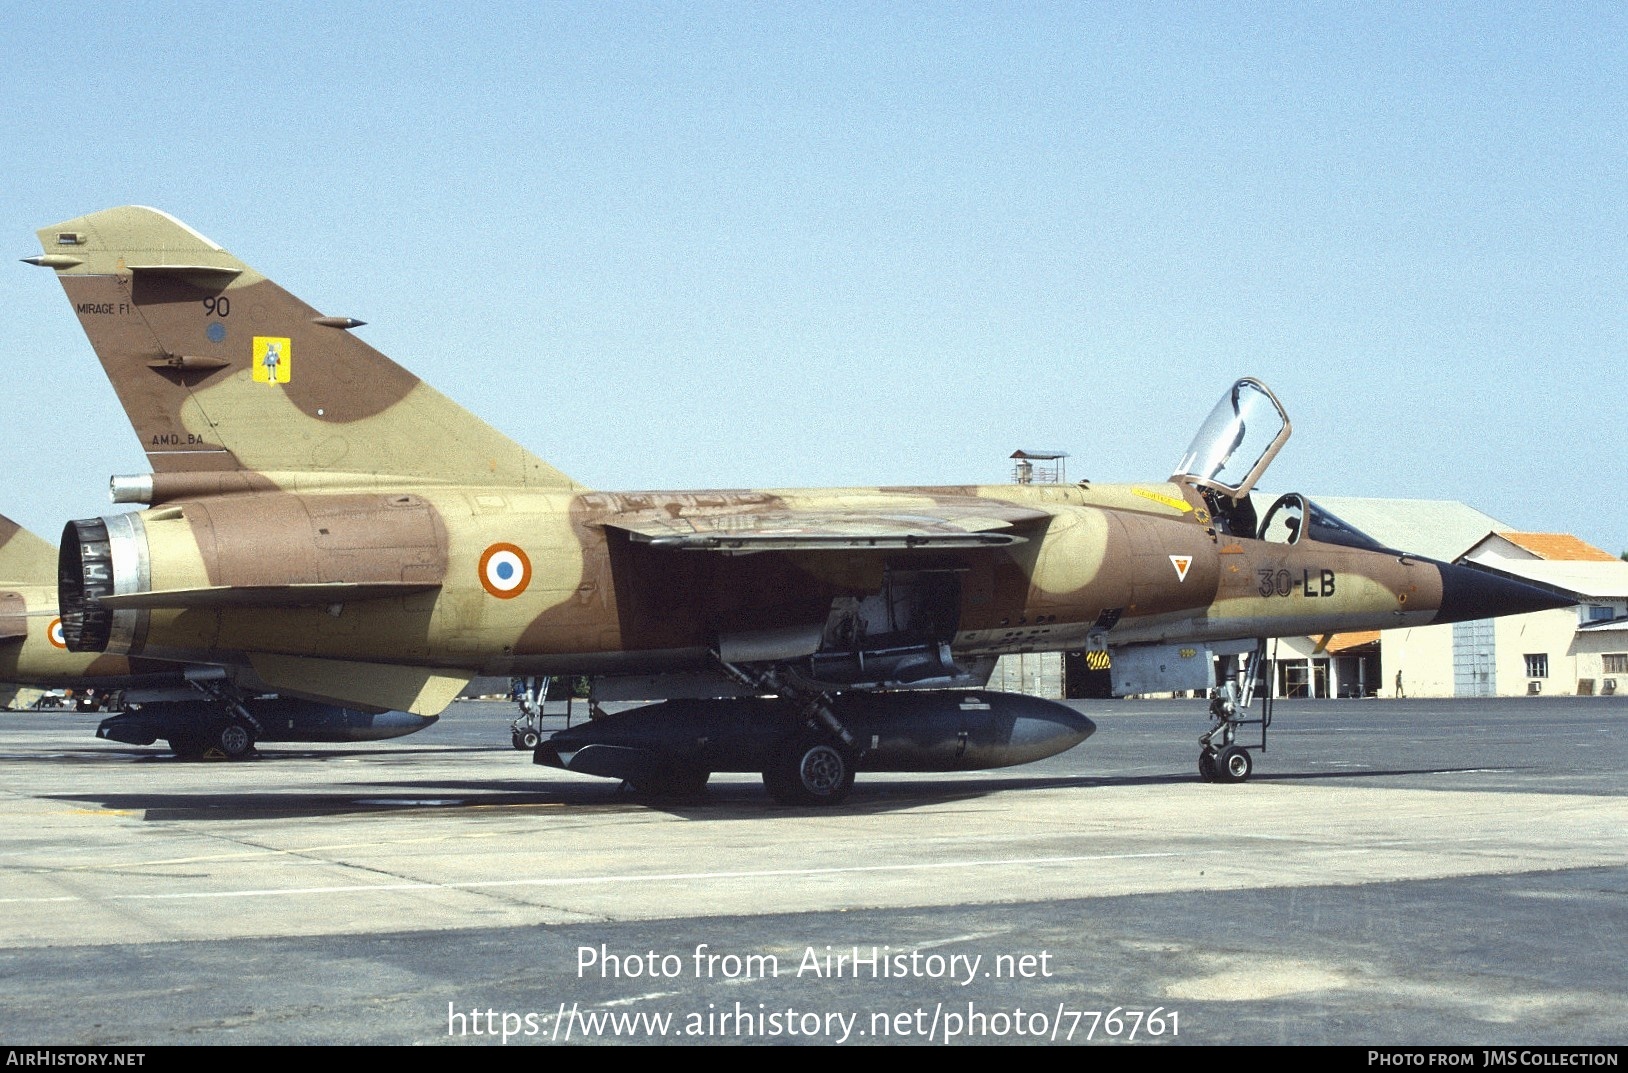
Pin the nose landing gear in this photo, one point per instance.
(1221, 758)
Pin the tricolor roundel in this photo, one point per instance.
(505, 571)
(53, 633)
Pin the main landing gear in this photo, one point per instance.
(810, 768)
(228, 730)
(213, 737)
(1221, 757)
(814, 763)
(526, 732)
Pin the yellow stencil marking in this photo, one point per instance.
(1159, 497)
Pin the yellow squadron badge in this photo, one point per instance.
(273, 360)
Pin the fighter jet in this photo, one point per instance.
(320, 523)
(154, 699)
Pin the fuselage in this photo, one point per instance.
(497, 580)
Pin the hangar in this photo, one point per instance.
(1576, 651)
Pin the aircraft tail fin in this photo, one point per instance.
(220, 369)
(25, 557)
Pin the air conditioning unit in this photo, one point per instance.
(1608, 687)
(1534, 688)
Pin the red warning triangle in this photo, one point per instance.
(1181, 563)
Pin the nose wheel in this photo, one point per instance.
(1220, 757)
(1232, 764)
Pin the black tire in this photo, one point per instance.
(1234, 764)
(810, 771)
(528, 739)
(234, 739)
(1206, 766)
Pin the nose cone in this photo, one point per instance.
(1469, 592)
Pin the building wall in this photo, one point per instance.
(1548, 633)
(1589, 650)
(1424, 655)
(1037, 674)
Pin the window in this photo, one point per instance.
(1596, 612)
(1615, 662)
(1537, 665)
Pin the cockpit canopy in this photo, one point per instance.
(1233, 447)
(1293, 518)
(1237, 441)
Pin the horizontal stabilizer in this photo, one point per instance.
(419, 690)
(975, 523)
(313, 595)
(25, 557)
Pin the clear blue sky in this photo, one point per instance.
(671, 246)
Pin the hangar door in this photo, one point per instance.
(1473, 651)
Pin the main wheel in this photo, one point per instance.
(235, 740)
(810, 771)
(1234, 764)
(525, 738)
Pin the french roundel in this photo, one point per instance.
(505, 571)
(53, 633)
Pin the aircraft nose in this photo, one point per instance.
(1469, 592)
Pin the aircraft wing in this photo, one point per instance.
(969, 523)
(418, 690)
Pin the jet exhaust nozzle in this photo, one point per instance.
(101, 557)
